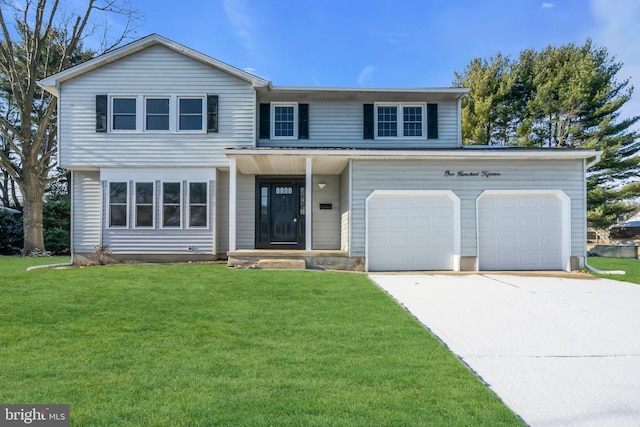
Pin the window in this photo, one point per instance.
(118, 204)
(412, 121)
(157, 114)
(285, 121)
(198, 204)
(124, 114)
(387, 121)
(400, 121)
(144, 204)
(171, 201)
(190, 114)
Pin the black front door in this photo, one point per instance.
(280, 213)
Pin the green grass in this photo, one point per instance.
(202, 345)
(630, 266)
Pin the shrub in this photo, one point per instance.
(11, 234)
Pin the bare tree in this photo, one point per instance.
(43, 40)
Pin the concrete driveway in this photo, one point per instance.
(557, 351)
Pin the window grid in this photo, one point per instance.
(387, 121)
(284, 121)
(412, 121)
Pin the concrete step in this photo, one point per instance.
(282, 264)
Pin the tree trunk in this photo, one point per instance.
(32, 193)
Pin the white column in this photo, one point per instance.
(232, 204)
(308, 207)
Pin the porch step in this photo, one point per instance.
(282, 264)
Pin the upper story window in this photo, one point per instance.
(124, 113)
(285, 121)
(157, 114)
(190, 114)
(400, 121)
(171, 113)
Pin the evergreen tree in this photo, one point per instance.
(559, 97)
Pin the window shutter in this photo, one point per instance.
(432, 121)
(101, 113)
(265, 121)
(303, 121)
(368, 122)
(212, 113)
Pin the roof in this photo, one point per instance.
(52, 83)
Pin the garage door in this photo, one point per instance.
(523, 231)
(416, 231)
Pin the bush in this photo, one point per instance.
(11, 234)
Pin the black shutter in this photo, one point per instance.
(432, 121)
(368, 122)
(101, 113)
(265, 121)
(212, 113)
(303, 121)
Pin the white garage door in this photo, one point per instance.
(411, 232)
(521, 231)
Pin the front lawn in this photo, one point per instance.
(630, 266)
(202, 345)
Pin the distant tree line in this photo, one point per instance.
(559, 97)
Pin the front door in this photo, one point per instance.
(280, 213)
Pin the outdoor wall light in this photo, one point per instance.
(322, 185)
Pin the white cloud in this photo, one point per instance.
(547, 5)
(240, 20)
(365, 77)
(617, 30)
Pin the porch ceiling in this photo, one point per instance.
(290, 164)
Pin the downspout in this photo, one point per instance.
(586, 263)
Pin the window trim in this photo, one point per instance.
(274, 105)
(205, 204)
(126, 204)
(400, 120)
(179, 204)
(153, 205)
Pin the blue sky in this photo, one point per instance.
(391, 43)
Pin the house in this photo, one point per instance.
(177, 156)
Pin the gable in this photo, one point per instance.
(52, 83)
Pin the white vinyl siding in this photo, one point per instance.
(567, 176)
(86, 211)
(155, 71)
(326, 222)
(245, 211)
(340, 125)
(222, 202)
(345, 197)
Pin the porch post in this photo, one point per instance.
(308, 207)
(232, 204)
